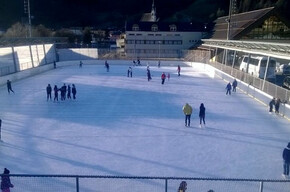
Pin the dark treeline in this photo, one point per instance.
(57, 14)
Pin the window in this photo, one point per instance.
(154, 27)
(135, 27)
(172, 27)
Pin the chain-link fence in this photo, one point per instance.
(78, 183)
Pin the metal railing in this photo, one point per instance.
(272, 89)
(90, 183)
(265, 86)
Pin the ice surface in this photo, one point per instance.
(129, 126)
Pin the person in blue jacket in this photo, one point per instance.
(228, 88)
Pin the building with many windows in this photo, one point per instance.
(150, 38)
(259, 25)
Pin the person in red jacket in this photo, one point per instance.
(163, 77)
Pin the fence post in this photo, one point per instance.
(261, 186)
(77, 183)
(0, 128)
(166, 183)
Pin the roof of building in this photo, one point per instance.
(165, 26)
(146, 17)
(240, 23)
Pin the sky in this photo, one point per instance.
(124, 126)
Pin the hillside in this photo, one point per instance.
(103, 13)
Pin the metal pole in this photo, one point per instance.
(233, 63)
(261, 186)
(27, 11)
(159, 42)
(135, 57)
(77, 184)
(215, 56)
(0, 128)
(166, 185)
(229, 21)
(266, 71)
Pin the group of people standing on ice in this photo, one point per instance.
(274, 103)
(187, 110)
(231, 87)
(65, 92)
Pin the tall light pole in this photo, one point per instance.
(27, 10)
(229, 21)
(229, 29)
(159, 42)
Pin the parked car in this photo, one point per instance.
(284, 69)
(286, 82)
(256, 66)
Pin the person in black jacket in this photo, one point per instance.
(55, 93)
(5, 181)
(48, 92)
(68, 92)
(271, 105)
(286, 158)
(74, 91)
(182, 187)
(9, 86)
(235, 84)
(201, 114)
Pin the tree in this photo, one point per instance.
(41, 31)
(66, 33)
(87, 38)
(16, 30)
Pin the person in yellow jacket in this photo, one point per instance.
(187, 110)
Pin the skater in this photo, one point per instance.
(9, 87)
(54, 64)
(159, 64)
(74, 91)
(201, 114)
(235, 84)
(178, 70)
(148, 74)
(5, 181)
(138, 62)
(48, 92)
(107, 66)
(63, 92)
(182, 187)
(286, 164)
(55, 89)
(271, 104)
(228, 88)
(129, 72)
(81, 64)
(68, 92)
(187, 110)
(277, 105)
(163, 77)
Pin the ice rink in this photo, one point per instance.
(131, 127)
